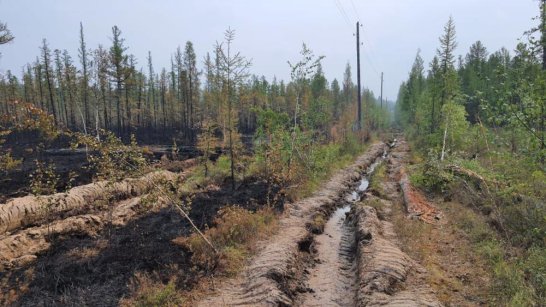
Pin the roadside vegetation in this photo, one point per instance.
(478, 126)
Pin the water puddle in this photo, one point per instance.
(333, 279)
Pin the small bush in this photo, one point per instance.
(535, 270)
(236, 232)
(510, 287)
(150, 293)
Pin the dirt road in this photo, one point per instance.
(354, 261)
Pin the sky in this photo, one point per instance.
(270, 32)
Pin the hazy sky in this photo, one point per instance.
(269, 32)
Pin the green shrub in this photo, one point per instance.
(535, 270)
(510, 287)
(154, 294)
(234, 236)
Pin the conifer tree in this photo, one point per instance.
(118, 61)
(46, 59)
(82, 52)
(233, 70)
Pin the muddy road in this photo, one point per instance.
(351, 258)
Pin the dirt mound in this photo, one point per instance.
(275, 275)
(31, 210)
(22, 247)
(83, 268)
(386, 275)
(417, 205)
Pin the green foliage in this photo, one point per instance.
(432, 175)
(235, 235)
(455, 125)
(535, 270)
(44, 180)
(158, 295)
(206, 143)
(110, 158)
(510, 286)
(7, 162)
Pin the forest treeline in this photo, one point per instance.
(459, 104)
(107, 88)
(478, 124)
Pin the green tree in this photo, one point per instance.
(118, 63)
(233, 70)
(446, 57)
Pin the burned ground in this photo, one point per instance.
(97, 266)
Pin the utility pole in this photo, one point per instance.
(381, 90)
(543, 43)
(359, 119)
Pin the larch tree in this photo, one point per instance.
(446, 55)
(5, 34)
(46, 60)
(233, 68)
(299, 74)
(70, 77)
(84, 61)
(151, 91)
(118, 62)
(348, 85)
(190, 65)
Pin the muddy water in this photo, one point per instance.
(333, 281)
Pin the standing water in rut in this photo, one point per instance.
(333, 281)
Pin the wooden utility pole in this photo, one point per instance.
(381, 90)
(543, 43)
(359, 119)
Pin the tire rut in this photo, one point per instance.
(354, 260)
(277, 275)
(333, 280)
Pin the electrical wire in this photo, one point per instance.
(355, 10)
(343, 13)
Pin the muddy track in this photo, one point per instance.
(278, 274)
(354, 260)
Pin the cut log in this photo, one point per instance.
(33, 210)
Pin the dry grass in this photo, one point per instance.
(150, 293)
(235, 235)
(456, 271)
(318, 223)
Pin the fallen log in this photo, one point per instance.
(463, 172)
(32, 210)
(24, 246)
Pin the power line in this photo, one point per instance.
(370, 54)
(371, 63)
(355, 10)
(343, 13)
